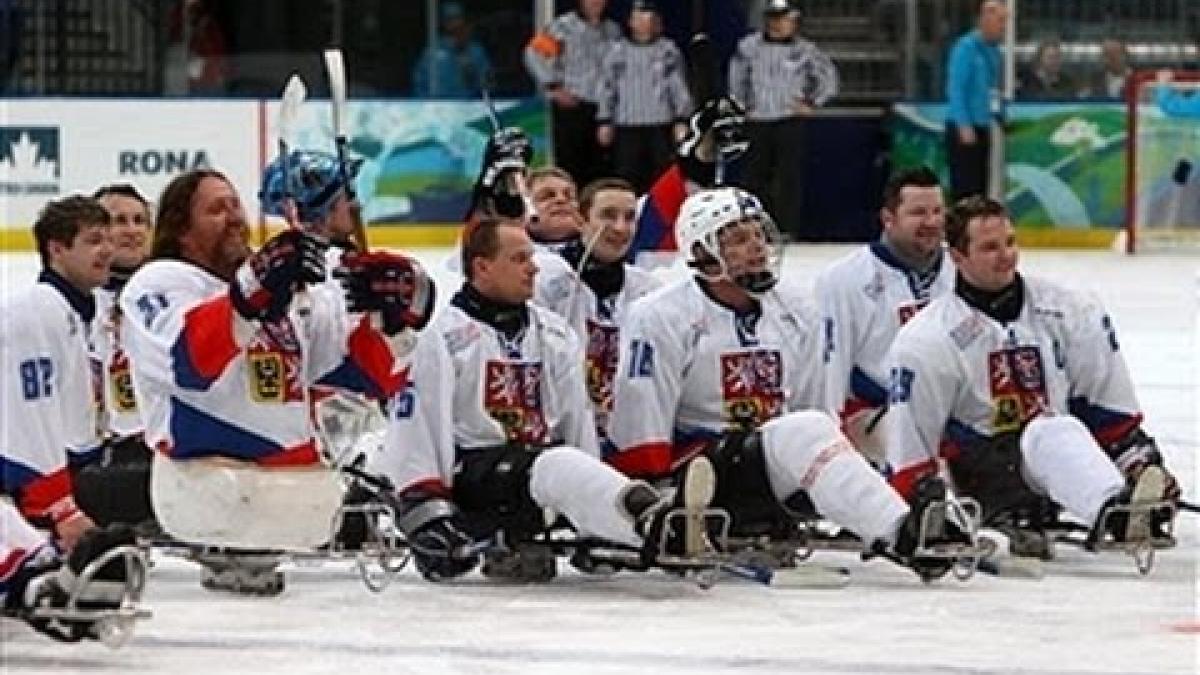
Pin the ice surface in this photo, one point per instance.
(1091, 614)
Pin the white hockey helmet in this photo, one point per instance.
(705, 214)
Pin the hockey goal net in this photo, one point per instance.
(1163, 172)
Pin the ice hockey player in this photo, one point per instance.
(48, 395)
(865, 297)
(724, 364)
(590, 285)
(36, 580)
(556, 218)
(1018, 384)
(500, 431)
(116, 487)
(226, 346)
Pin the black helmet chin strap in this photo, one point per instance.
(756, 282)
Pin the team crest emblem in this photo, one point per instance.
(752, 387)
(1017, 382)
(600, 362)
(120, 382)
(512, 395)
(267, 377)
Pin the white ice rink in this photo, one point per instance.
(1091, 613)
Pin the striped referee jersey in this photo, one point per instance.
(771, 77)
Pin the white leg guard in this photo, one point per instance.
(585, 490)
(234, 504)
(1061, 460)
(17, 533)
(806, 451)
(19, 542)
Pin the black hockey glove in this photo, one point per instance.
(505, 159)
(262, 288)
(715, 130)
(441, 547)
(50, 584)
(393, 286)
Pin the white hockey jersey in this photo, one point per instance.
(958, 376)
(494, 392)
(560, 289)
(210, 383)
(120, 412)
(865, 297)
(49, 394)
(691, 369)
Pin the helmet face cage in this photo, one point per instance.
(314, 181)
(707, 215)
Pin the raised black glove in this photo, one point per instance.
(715, 131)
(393, 286)
(262, 288)
(505, 159)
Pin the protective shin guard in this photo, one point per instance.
(1062, 460)
(806, 451)
(587, 491)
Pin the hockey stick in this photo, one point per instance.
(294, 93)
(1190, 507)
(335, 70)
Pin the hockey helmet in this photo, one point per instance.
(314, 180)
(702, 219)
(779, 7)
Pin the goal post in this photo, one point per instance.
(1162, 210)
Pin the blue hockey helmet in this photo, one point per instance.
(314, 180)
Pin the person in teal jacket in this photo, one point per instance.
(460, 66)
(972, 83)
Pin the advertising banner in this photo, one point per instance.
(1065, 163)
(420, 158)
(51, 148)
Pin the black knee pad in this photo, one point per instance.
(491, 486)
(989, 471)
(743, 488)
(116, 489)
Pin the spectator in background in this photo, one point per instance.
(195, 30)
(455, 66)
(644, 100)
(1044, 77)
(1109, 80)
(972, 98)
(781, 78)
(564, 59)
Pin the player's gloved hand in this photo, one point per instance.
(393, 286)
(505, 159)
(717, 128)
(48, 583)
(1135, 453)
(262, 288)
(440, 544)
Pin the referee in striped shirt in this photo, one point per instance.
(780, 77)
(644, 100)
(564, 59)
